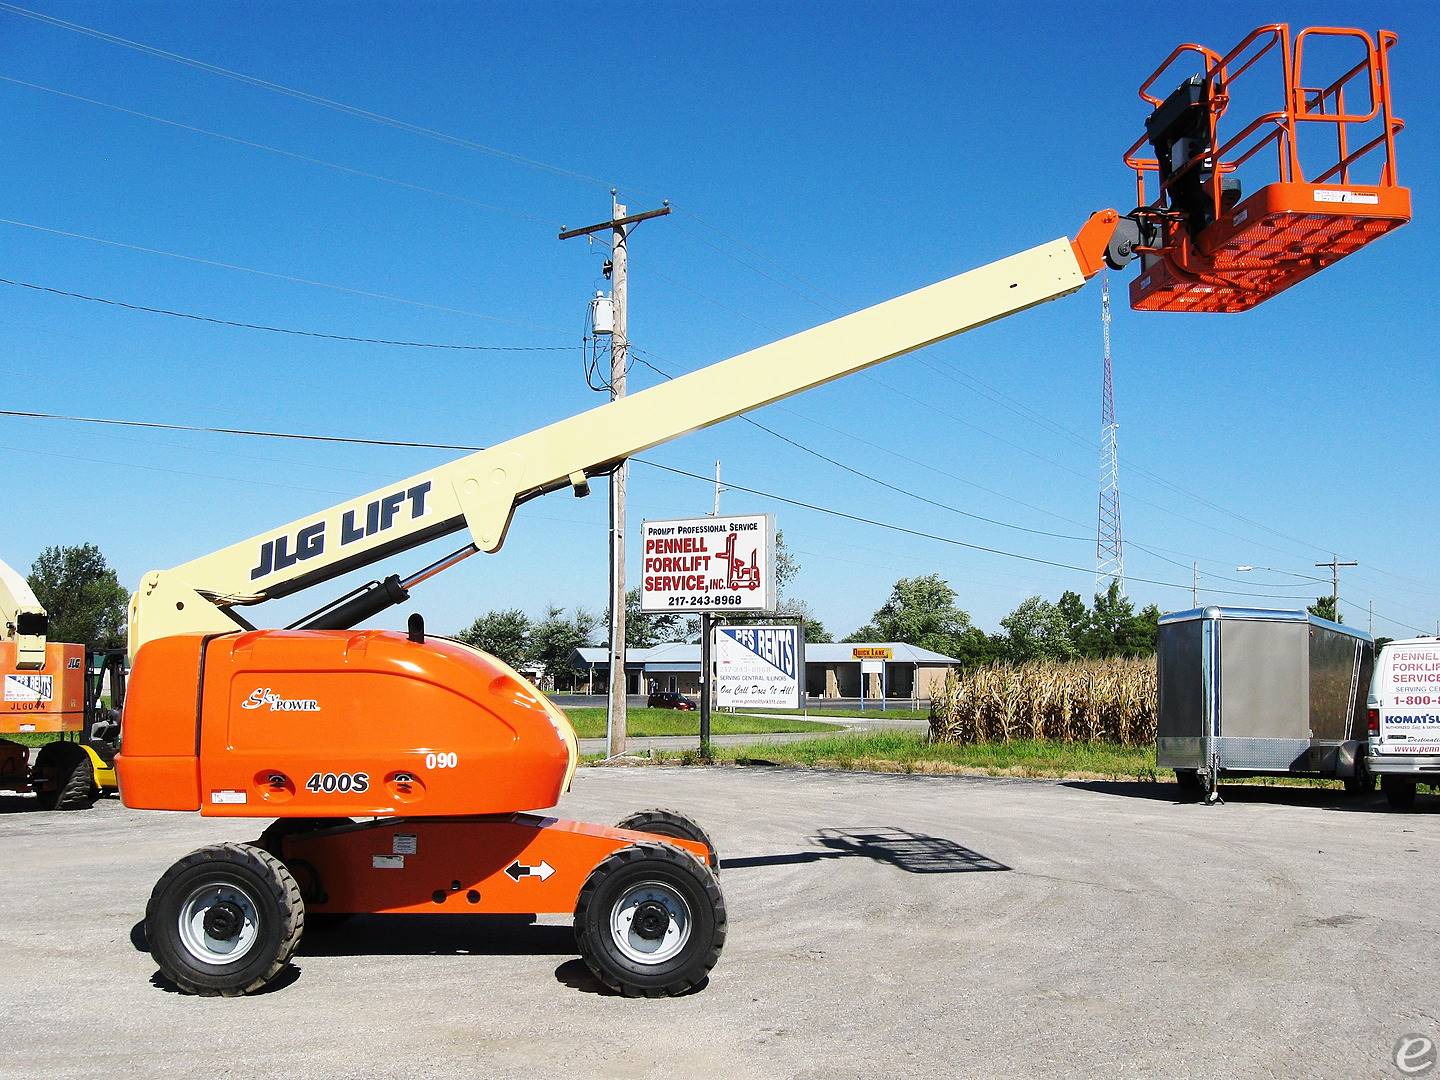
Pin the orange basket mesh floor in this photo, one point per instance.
(1280, 235)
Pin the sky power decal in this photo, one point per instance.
(309, 541)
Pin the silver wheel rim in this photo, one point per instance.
(200, 903)
(646, 950)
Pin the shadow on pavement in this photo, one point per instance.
(1238, 791)
(437, 935)
(915, 853)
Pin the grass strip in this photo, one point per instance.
(649, 723)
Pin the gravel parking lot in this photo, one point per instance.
(879, 926)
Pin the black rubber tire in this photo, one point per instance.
(74, 787)
(1362, 783)
(280, 915)
(272, 839)
(1189, 783)
(1400, 794)
(661, 822)
(679, 871)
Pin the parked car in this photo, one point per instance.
(669, 699)
(1404, 718)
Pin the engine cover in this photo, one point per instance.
(337, 723)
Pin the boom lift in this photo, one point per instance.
(53, 688)
(445, 748)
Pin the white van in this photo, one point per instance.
(1404, 718)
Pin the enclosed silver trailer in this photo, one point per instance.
(1247, 690)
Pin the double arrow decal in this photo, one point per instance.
(518, 870)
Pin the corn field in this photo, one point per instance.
(1075, 701)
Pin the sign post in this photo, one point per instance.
(872, 662)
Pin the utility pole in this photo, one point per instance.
(620, 225)
(1195, 584)
(707, 631)
(1335, 564)
(1372, 618)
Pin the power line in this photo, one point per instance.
(302, 437)
(367, 294)
(278, 150)
(110, 301)
(301, 95)
(877, 480)
(905, 530)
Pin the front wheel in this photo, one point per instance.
(69, 777)
(225, 920)
(650, 921)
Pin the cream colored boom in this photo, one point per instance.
(480, 492)
(21, 614)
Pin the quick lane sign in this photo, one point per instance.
(714, 564)
(759, 666)
(872, 652)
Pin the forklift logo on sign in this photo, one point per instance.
(715, 564)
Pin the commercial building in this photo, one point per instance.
(832, 670)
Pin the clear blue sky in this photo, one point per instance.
(819, 158)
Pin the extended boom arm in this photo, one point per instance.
(480, 492)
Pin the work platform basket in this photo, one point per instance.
(1211, 245)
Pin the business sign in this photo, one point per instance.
(872, 652)
(758, 667)
(1411, 706)
(715, 564)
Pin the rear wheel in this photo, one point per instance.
(1363, 782)
(69, 778)
(1400, 794)
(225, 920)
(672, 823)
(650, 921)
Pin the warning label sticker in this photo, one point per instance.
(404, 844)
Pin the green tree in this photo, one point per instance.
(502, 634)
(920, 611)
(1037, 630)
(1115, 628)
(815, 632)
(85, 601)
(1076, 615)
(643, 631)
(554, 639)
(1324, 607)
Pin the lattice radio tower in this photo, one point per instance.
(1109, 544)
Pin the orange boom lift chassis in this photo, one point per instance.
(399, 771)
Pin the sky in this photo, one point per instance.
(819, 158)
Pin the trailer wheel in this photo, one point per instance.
(72, 778)
(1363, 782)
(650, 921)
(1188, 781)
(1400, 794)
(224, 920)
(662, 822)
